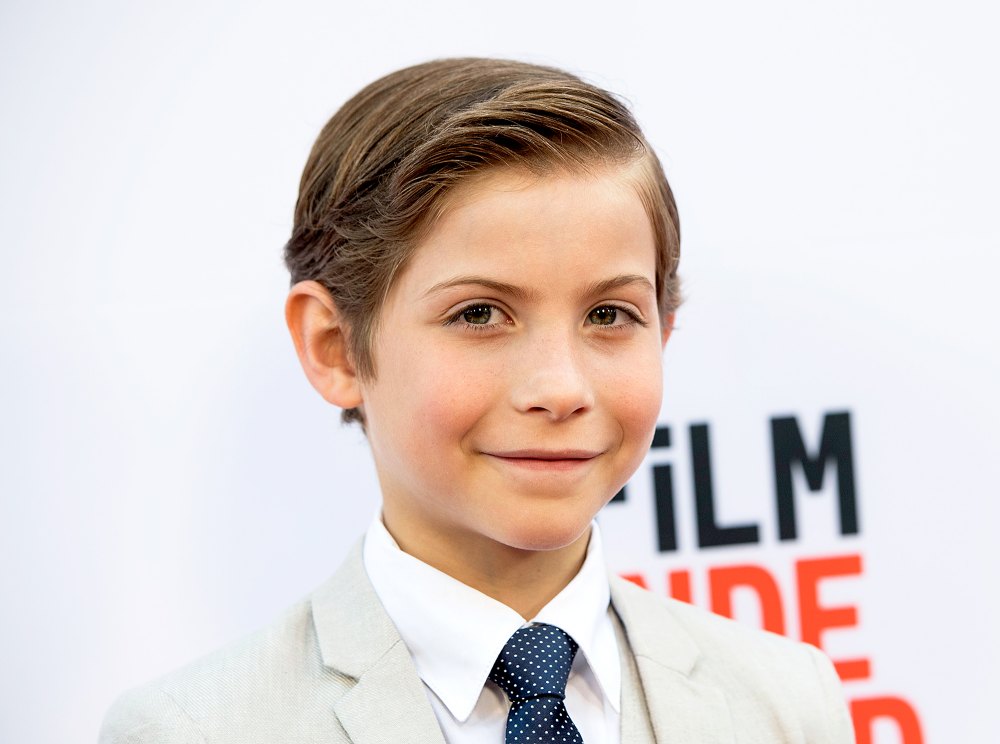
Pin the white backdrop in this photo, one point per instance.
(168, 480)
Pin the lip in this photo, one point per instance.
(546, 454)
(544, 459)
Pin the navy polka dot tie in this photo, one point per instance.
(533, 669)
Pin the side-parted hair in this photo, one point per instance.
(379, 171)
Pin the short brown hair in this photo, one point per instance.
(378, 172)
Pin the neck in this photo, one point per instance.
(524, 580)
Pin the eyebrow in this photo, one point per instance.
(511, 290)
(519, 293)
(615, 282)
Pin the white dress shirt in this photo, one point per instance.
(455, 633)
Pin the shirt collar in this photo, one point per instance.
(455, 633)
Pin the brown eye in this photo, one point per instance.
(478, 315)
(603, 315)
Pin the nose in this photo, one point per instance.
(553, 380)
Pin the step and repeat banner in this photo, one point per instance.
(825, 464)
(773, 568)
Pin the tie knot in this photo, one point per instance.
(535, 663)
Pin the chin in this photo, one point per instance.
(541, 534)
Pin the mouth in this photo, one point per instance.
(542, 459)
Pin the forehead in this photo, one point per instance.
(540, 228)
(606, 183)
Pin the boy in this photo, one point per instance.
(484, 266)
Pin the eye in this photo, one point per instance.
(612, 315)
(605, 315)
(477, 314)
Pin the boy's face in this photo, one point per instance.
(518, 362)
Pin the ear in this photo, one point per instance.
(668, 328)
(320, 336)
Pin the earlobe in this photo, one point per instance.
(320, 337)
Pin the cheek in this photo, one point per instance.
(445, 396)
(637, 396)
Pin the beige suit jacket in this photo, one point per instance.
(333, 670)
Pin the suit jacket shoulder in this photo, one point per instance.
(264, 685)
(332, 669)
(711, 679)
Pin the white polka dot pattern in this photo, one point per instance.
(533, 669)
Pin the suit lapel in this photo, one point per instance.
(681, 709)
(388, 702)
(636, 727)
